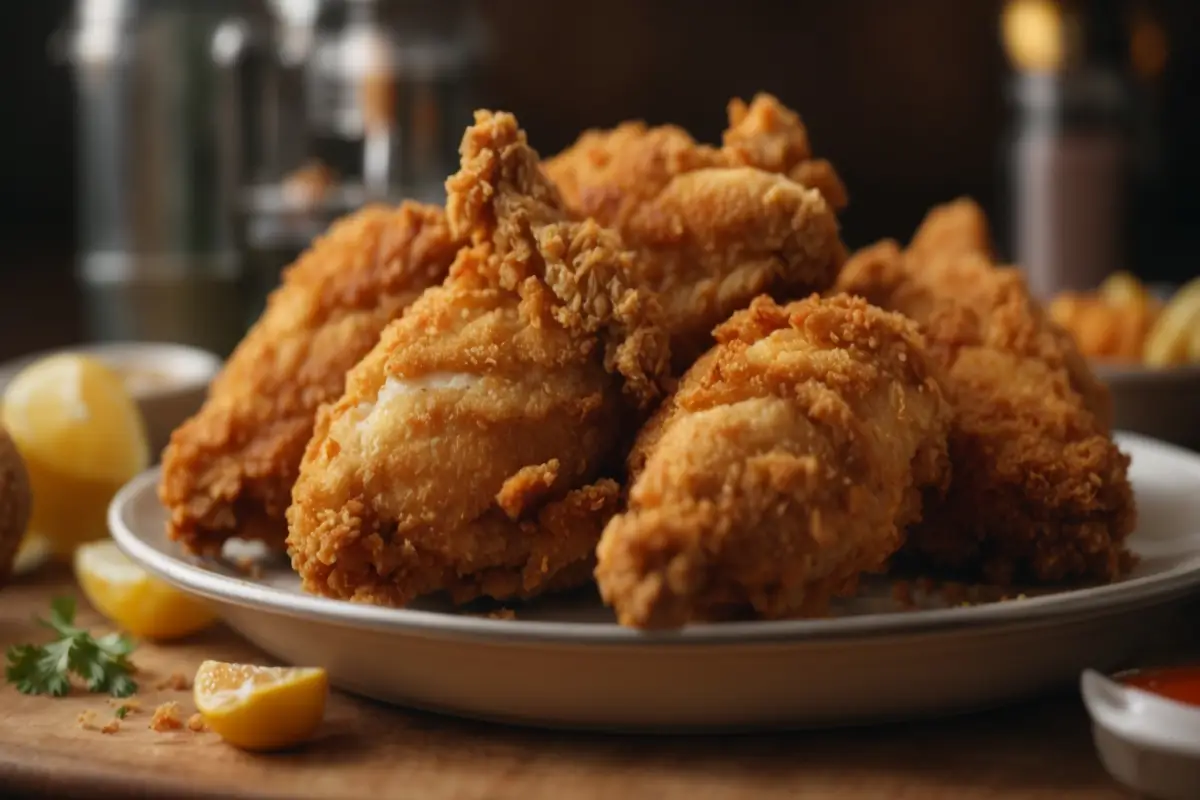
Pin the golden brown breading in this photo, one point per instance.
(715, 227)
(786, 465)
(1040, 491)
(714, 239)
(768, 135)
(469, 452)
(957, 228)
(228, 471)
(1103, 331)
(608, 175)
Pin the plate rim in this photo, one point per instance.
(190, 577)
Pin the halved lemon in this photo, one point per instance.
(132, 598)
(261, 708)
(81, 436)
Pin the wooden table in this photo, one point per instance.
(365, 749)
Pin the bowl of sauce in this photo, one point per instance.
(1146, 727)
(1180, 683)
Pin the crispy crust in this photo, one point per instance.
(471, 449)
(785, 466)
(1040, 492)
(229, 470)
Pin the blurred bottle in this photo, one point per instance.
(158, 256)
(1070, 154)
(345, 102)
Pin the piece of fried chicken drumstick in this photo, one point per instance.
(787, 464)
(719, 226)
(472, 450)
(1040, 491)
(228, 471)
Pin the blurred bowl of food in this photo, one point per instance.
(167, 381)
(1145, 346)
(1157, 402)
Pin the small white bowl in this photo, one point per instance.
(181, 377)
(1157, 402)
(1147, 742)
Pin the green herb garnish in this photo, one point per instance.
(121, 712)
(103, 663)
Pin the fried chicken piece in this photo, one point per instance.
(1040, 491)
(954, 229)
(715, 227)
(471, 450)
(228, 471)
(787, 464)
(609, 174)
(768, 135)
(1103, 331)
(714, 239)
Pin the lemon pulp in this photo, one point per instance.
(261, 708)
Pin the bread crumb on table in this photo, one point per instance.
(131, 704)
(166, 718)
(112, 726)
(86, 720)
(177, 682)
(196, 723)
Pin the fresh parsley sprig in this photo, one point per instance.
(103, 663)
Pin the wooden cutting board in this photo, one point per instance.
(369, 750)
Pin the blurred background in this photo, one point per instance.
(163, 159)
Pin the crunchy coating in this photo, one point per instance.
(788, 463)
(715, 227)
(16, 503)
(1040, 491)
(471, 450)
(714, 239)
(768, 135)
(229, 470)
(609, 174)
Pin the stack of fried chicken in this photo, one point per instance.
(649, 363)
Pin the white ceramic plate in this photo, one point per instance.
(564, 662)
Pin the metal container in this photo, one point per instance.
(217, 138)
(357, 101)
(157, 167)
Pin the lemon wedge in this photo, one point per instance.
(136, 601)
(261, 708)
(1167, 342)
(81, 436)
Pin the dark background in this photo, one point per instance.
(906, 97)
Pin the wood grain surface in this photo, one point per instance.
(364, 749)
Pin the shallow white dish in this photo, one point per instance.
(564, 662)
(1149, 743)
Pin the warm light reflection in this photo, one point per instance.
(1148, 47)
(1033, 34)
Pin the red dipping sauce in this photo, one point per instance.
(1181, 684)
